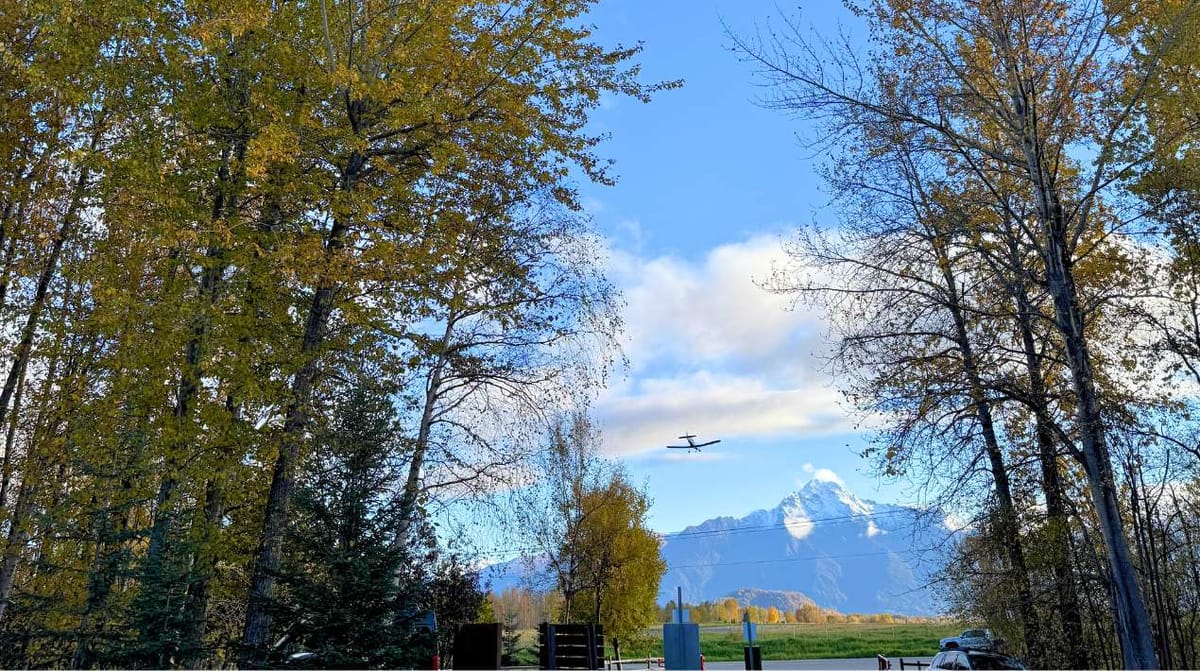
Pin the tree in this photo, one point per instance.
(509, 124)
(211, 212)
(599, 554)
(345, 581)
(621, 563)
(457, 597)
(730, 611)
(518, 322)
(554, 512)
(1000, 91)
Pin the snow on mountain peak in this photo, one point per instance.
(833, 497)
(822, 499)
(843, 551)
(795, 519)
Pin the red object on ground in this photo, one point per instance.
(436, 662)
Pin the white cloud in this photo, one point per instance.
(689, 456)
(712, 311)
(592, 205)
(632, 232)
(955, 523)
(826, 475)
(712, 353)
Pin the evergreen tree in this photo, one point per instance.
(350, 594)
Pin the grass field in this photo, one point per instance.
(813, 641)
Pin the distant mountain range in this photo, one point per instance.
(838, 550)
(821, 544)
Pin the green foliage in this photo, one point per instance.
(831, 641)
(513, 650)
(351, 593)
(453, 592)
(210, 210)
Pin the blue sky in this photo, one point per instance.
(709, 184)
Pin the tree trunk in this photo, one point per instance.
(18, 537)
(1144, 521)
(1132, 619)
(18, 530)
(266, 564)
(283, 480)
(1056, 511)
(6, 471)
(190, 374)
(20, 357)
(433, 388)
(1009, 531)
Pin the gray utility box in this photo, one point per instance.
(681, 646)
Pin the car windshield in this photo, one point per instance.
(975, 633)
(994, 663)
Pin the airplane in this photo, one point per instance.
(692, 444)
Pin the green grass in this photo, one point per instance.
(814, 641)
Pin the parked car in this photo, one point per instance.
(971, 639)
(972, 660)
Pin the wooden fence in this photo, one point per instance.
(570, 646)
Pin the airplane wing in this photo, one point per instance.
(711, 442)
(679, 447)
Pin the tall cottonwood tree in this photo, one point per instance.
(910, 307)
(210, 208)
(1007, 89)
(519, 322)
(503, 108)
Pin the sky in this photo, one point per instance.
(710, 183)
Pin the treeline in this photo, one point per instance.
(1013, 288)
(728, 610)
(276, 280)
(523, 609)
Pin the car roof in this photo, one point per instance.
(985, 653)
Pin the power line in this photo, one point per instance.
(732, 531)
(779, 525)
(786, 559)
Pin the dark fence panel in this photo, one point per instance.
(570, 646)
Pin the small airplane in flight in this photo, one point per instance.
(692, 444)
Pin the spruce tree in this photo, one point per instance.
(350, 595)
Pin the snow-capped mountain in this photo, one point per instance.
(823, 542)
(841, 551)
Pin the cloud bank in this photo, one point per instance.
(713, 353)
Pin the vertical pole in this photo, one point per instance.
(551, 647)
(590, 636)
(679, 605)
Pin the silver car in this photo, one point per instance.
(971, 639)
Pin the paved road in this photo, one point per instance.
(815, 664)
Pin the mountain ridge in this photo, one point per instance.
(842, 551)
(822, 543)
